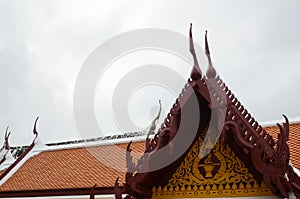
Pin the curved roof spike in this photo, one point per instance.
(117, 189)
(153, 124)
(206, 45)
(211, 71)
(6, 136)
(286, 119)
(128, 149)
(192, 49)
(6, 133)
(196, 72)
(191, 34)
(34, 127)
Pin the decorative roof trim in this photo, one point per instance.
(21, 159)
(5, 148)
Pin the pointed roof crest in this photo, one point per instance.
(196, 72)
(211, 72)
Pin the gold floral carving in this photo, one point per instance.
(219, 174)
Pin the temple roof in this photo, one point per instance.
(75, 168)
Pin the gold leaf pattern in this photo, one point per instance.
(219, 174)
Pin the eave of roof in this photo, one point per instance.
(57, 192)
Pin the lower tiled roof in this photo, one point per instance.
(71, 168)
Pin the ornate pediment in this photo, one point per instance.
(219, 174)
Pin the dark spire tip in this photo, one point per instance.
(34, 128)
(206, 44)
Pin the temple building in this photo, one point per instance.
(209, 146)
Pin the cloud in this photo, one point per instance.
(255, 47)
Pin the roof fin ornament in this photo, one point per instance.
(117, 189)
(35, 132)
(34, 143)
(130, 165)
(92, 192)
(211, 72)
(153, 124)
(196, 72)
(282, 148)
(6, 136)
(5, 148)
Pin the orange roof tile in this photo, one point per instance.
(294, 141)
(70, 168)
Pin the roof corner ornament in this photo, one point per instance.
(92, 192)
(117, 190)
(282, 148)
(130, 165)
(35, 132)
(196, 72)
(294, 181)
(211, 71)
(6, 136)
(274, 164)
(27, 150)
(5, 148)
(153, 124)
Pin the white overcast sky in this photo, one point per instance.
(255, 46)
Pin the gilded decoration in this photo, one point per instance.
(219, 174)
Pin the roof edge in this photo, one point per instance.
(58, 192)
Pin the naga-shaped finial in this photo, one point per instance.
(282, 148)
(153, 124)
(211, 72)
(196, 72)
(34, 127)
(6, 136)
(117, 189)
(92, 192)
(5, 148)
(130, 165)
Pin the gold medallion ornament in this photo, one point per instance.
(219, 174)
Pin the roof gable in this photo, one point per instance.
(266, 159)
(218, 174)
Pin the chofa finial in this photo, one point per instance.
(196, 72)
(211, 72)
(34, 127)
(6, 136)
(153, 124)
(92, 192)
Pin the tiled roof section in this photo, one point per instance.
(71, 168)
(294, 141)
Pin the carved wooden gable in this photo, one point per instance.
(219, 174)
